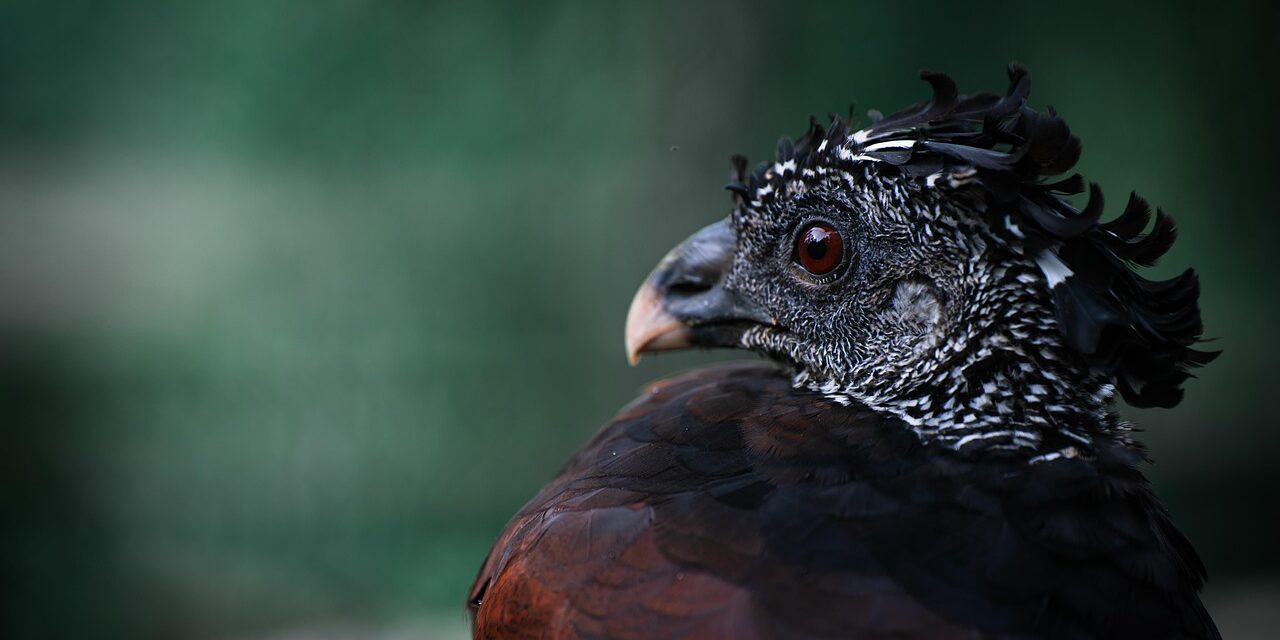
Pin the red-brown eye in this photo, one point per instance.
(819, 248)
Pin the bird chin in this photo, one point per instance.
(770, 341)
(721, 335)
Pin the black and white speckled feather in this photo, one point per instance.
(990, 313)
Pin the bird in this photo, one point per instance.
(930, 446)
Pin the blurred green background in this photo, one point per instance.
(299, 301)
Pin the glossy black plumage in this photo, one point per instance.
(726, 503)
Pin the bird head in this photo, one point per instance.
(933, 255)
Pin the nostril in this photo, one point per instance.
(686, 288)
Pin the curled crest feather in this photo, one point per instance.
(1139, 332)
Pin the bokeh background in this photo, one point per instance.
(300, 300)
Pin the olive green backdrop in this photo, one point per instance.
(300, 300)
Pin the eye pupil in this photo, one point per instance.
(819, 248)
(815, 248)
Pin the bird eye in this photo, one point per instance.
(819, 249)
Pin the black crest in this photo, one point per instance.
(1138, 331)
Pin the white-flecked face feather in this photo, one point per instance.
(959, 309)
(939, 321)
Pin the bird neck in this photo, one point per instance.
(999, 381)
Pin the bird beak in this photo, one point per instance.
(684, 302)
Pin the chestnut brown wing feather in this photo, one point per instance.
(650, 531)
(725, 504)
